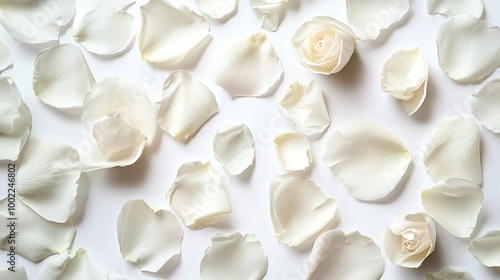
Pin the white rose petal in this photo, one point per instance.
(15, 123)
(468, 48)
(18, 274)
(367, 158)
(485, 105)
(103, 27)
(450, 8)
(292, 151)
(336, 255)
(218, 9)
(5, 58)
(198, 195)
(454, 151)
(449, 273)
(80, 264)
(304, 107)
(234, 257)
(36, 21)
(368, 18)
(187, 104)
(247, 66)
(233, 147)
(148, 238)
(36, 238)
(270, 10)
(161, 41)
(486, 249)
(404, 76)
(455, 204)
(61, 77)
(300, 211)
(410, 239)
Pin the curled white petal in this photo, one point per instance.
(336, 255)
(160, 41)
(300, 211)
(455, 204)
(234, 257)
(103, 27)
(485, 105)
(270, 10)
(15, 123)
(5, 58)
(79, 264)
(367, 158)
(19, 273)
(468, 48)
(247, 66)
(454, 151)
(186, 106)
(450, 8)
(61, 77)
(449, 273)
(218, 9)
(293, 151)
(198, 195)
(305, 108)
(368, 18)
(486, 249)
(148, 238)
(404, 76)
(233, 147)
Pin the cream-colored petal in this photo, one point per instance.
(61, 77)
(198, 195)
(454, 151)
(5, 58)
(234, 257)
(293, 151)
(449, 273)
(450, 8)
(486, 249)
(247, 66)
(468, 48)
(485, 105)
(300, 211)
(368, 18)
(218, 9)
(186, 106)
(148, 238)
(18, 273)
(270, 10)
(367, 158)
(336, 255)
(233, 147)
(304, 107)
(168, 34)
(455, 204)
(79, 264)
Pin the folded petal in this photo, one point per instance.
(449, 273)
(233, 147)
(293, 151)
(186, 106)
(169, 34)
(485, 105)
(367, 158)
(61, 77)
(450, 8)
(454, 151)
(368, 18)
(304, 107)
(234, 257)
(218, 9)
(198, 195)
(455, 204)
(247, 66)
(468, 48)
(336, 255)
(148, 238)
(300, 211)
(5, 58)
(486, 249)
(270, 10)
(18, 274)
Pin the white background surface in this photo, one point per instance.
(352, 93)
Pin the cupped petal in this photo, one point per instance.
(336, 255)
(61, 77)
(468, 48)
(5, 58)
(455, 204)
(485, 105)
(270, 10)
(186, 106)
(169, 34)
(19, 273)
(486, 249)
(293, 151)
(198, 195)
(148, 238)
(367, 158)
(217, 9)
(449, 273)
(233, 147)
(234, 257)
(247, 66)
(454, 151)
(300, 211)
(450, 8)
(368, 18)
(304, 107)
